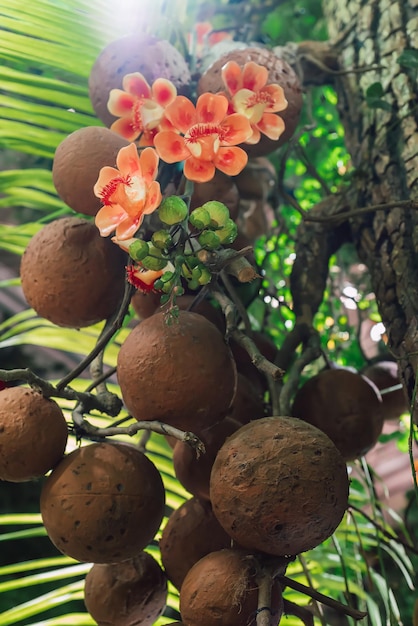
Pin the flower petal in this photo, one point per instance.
(245, 103)
(232, 77)
(124, 127)
(181, 113)
(255, 137)
(108, 217)
(106, 175)
(128, 227)
(120, 103)
(277, 96)
(170, 146)
(211, 108)
(148, 161)
(163, 92)
(154, 198)
(231, 161)
(136, 85)
(254, 76)
(199, 171)
(127, 160)
(237, 129)
(271, 125)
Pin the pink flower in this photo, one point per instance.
(139, 106)
(128, 192)
(204, 137)
(251, 96)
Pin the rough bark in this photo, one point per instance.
(384, 149)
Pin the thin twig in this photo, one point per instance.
(113, 324)
(320, 597)
(311, 351)
(402, 204)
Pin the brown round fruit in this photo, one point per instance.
(71, 275)
(181, 373)
(33, 434)
(192, 531)
(248, 403)
(345, 406)
(193, 471)
(279, 485)
(126, 594)
(152, 57)
(280, 73)
(384, 375)
(221, 188)
(221, 590)
(77, 163)
(103, 503)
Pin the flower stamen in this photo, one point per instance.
(108, 190)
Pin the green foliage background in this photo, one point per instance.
(47, 48)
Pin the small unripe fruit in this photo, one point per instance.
(173, 210)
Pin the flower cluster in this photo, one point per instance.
(204, 136)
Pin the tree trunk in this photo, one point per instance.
(383, 143)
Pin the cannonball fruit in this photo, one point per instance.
(221, 590)
(71, 275)
(126, 594)
(384, 375)
(33, 434)
(181, 373)
(103, 503)
(192, 531)
(193, 471)
(279, 485)
(152, 57)
(345, 406)
(77, 163)
(280, 73)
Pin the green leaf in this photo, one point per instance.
(375, 90)
(409, 58)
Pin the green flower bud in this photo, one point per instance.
(219, 213)
(200, 218)
(167, 287)
(138, 250)
(154, 261)
(196, 273)
(209, 240)
(167, 276)
(172, 210)
(205, 276)
(193, 284)
(161, 239)
(228, 233)
(158, 285)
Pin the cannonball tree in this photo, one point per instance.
(208, 230)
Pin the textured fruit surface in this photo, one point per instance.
(192, 531)
(103, 503)
(193, 471)
(152, 57)
(181, 373)
(279, 485)
(33, 434)
(384, 375)
(221, 590)
(126, 594)
(77, 163)
(344, 405)
(70, 275)
(280, 73)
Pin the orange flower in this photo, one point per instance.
(144, 280)
(139, 106)
(204, 137)
(252, 97)
(128, 192)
